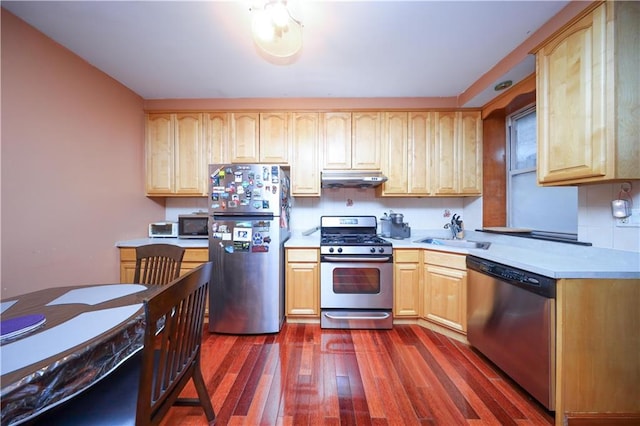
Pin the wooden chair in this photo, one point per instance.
(142, 390)
(157, 263)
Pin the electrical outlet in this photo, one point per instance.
(632, 221)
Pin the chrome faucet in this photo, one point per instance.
(456, 227)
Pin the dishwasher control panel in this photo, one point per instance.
(540, 284)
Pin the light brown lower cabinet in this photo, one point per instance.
(193, 257)
(406, 282)
(302, 283)
(444, 293)
(597, 352)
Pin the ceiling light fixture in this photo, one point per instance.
(276, 33)
(503, 85)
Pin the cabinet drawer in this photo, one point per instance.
(128, 254)
(448, 260)
(196, 255)
(409, 256)
(302, 255)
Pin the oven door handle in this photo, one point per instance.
(356, 259)
(351, 316)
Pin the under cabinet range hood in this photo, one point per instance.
(352, 178)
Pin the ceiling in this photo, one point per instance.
(351, 49)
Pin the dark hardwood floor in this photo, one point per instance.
(308, 376)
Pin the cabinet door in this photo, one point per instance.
(407, 282)
(303, 289)
(305, 145)
(127, 271)
(244, 137)
(159, 153)
(336, 136)
(302, 283)
(445, 296)
(366, 140)
(216, 138)
(420, 136)
(445, 176)
(406, 293)
(571, 102)
(395, 147)
(470, 161)
(189, 174)
(274, 142)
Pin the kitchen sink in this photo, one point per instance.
(456, 243)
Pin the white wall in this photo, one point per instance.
(420, 213)
(595, 222)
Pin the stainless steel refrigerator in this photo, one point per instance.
(249, 210)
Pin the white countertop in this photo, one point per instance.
(552, 259)
(182, 242)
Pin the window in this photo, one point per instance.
(548, 209)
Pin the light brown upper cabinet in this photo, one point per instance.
(588, 98)
(173, 151)
(366, 129)
(352, 140)
(244, 134)
(216, 138)
(259, 137)
(406, 146)
(274, 140)
(423, 153)
(457, 155)
(469, 152)
(305, 150)
(336, 136)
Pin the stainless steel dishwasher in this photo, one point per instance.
(511, 320)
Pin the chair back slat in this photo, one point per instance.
(158, 264)
(165, 372)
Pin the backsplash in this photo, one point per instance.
(597, 225)
(420, 213)
(595, 222)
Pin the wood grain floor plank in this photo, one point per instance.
(304, 375)
(358, 396)
(375, 402)
(258, 403)
(475, 384)
(330, 402)
(458, 377)
(440, 376)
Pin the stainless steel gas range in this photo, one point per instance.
(356, 274)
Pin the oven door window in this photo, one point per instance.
(356, 280)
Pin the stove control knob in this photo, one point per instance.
(339, 249)
(330, 249)
(381, 250)
(372, 249)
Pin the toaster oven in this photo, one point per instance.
(163, 230)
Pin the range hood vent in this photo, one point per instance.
(352, 178)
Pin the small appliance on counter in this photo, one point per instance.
(163, 230)
(193, 225)
(385, 226)
(398, 229)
